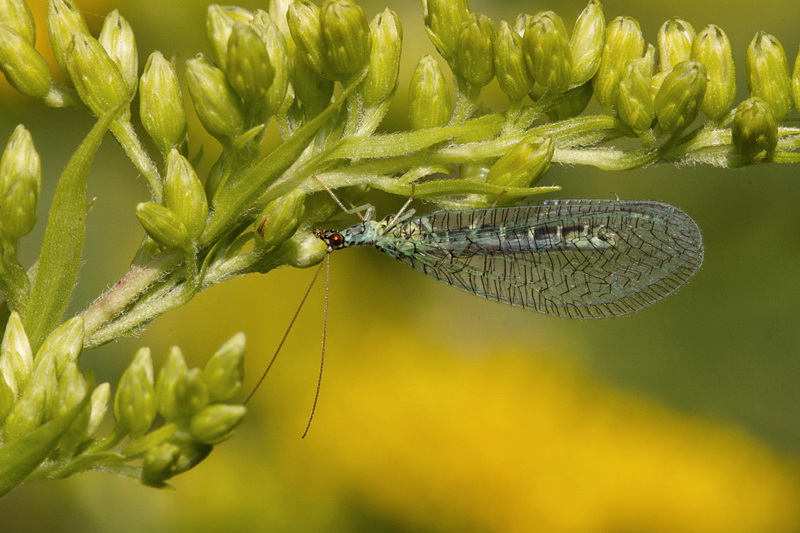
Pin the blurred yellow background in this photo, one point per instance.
(443, 412)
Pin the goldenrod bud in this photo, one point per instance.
(118, 40)
(191, 392)
(161, 103)
(219, 24)
(71, 391)
(16, 358)
(305, 249)
(64, 344)
(678, 100)
(313, 91)
(429, 98)
(160, 463)
(712, 48)
(279, 220)
(796, 81)
(63, 20)
(215, 101)
(163, 225)
(99, 406)
(509, 64)
(216, 423)
(384, 58)
(345, 35)
(624, 41)
(278, 93)
(25, 69)
(20, 183)
(16, 15)
(768, 74)
(675, 38)
(443, 21)
(546, 48)
(523, 165)
(572, 103)
(635, 100)
(249, 70)
(27, 414)
(135, 400)
(586, 42)
(7, 399)
(96, 77)
(303, 18)
(172, 372)
(474, 55)
(184, 194)
(224, 371)
(754, 129)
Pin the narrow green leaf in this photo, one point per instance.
(59, 261)
(20, 457)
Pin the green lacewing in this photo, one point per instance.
(569, 258)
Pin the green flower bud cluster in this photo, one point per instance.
(50, 413)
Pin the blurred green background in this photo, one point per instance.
(443, 412)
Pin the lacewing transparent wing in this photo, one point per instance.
(569, 258)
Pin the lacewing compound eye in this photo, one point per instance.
(569, 258)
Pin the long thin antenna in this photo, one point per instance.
(324, 335)
(288, 329)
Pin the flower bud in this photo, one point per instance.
(71, 391)
(443, 22)
(429, 98)
(135, 400)
(624, 41)
(509, 64)
(16, 358)
(279, 220)
(219, 25)
(224, 371)
(546, 48)
(25, 69)
(96, 77)
(216, 423)
(635, 100)
(277, 95)
(586, 43)
(796, 81)
(250, 71)
(184, 194)
(163, 225)
(572, 103)
(712, 48)
(99, 406)
(474, 56)
(303, 18)
(63, 20)
(768, 74)
(172, 372)
(678, 100)
(523, 165)
(27, 414)
(161, 103)
(304, 249)
(313, 91)
(216, 103)
(754, 129)
(64, 344)
(118, 40)
(169, 459)
(191, 392)
(384, 58)
(675, 40)
(345, 35)
(20, 183)
(7, 399)
(16, 15)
